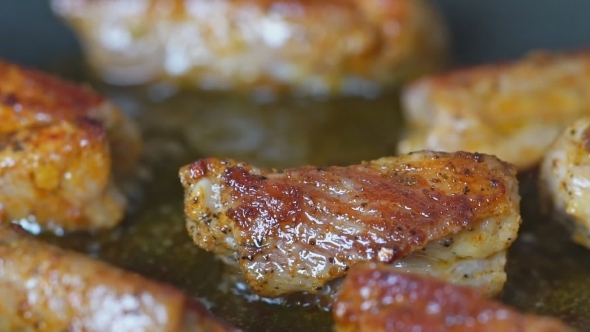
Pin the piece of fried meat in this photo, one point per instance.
(376, 298)
(63, 148)
(565, 179)
(450, 215)
(513, 110)
(261, 46)
(45, 288)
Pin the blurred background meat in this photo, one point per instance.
(64, 150)
(565, 179)
(376, 298)
(512, 110)
(261, 46)
(44, 288)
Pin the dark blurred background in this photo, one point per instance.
(482, 30)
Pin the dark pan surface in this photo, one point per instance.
(547, 273)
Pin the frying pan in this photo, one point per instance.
(547, 274)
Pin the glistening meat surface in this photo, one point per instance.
(377, 298)
(511, 110)
(63, 148)
(45, 288)
(298, 229)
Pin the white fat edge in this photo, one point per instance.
(209, 193)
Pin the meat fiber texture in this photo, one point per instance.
(451, 215)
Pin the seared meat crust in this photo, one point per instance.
(376, 298)
(44, 288)
(298, 229)
(61, 147)
(261, 45)
(513, 110)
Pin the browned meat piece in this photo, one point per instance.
(44, 288)
(305, 46)
(565, 179)
(60, 148)
(377, 298)
(449, 215)
(513, 110)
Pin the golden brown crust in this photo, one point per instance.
(284, 45)
(375, 298)
(60, 148)
(564, 175)
(513, 110)
(44, 288)
(417, 222)
(297, 229)
(29, 98)
(32, 173)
